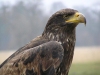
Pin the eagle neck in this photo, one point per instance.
(67, 39)
(61, 35)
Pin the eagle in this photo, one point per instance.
(52, 52)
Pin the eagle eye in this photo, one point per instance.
(65, 16)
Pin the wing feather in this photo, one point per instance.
(38, 60)
(35, 42)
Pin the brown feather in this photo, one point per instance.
(40, 56)
(34, 59)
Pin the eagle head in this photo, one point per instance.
(64, 21)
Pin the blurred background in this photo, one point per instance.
(23, 20)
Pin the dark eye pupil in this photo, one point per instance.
(65, 15)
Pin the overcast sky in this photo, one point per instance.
(48, 3)
(69, 3)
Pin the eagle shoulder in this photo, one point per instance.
(42, 59)
(35, 42)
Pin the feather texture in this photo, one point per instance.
(37, 60)
(49, 54)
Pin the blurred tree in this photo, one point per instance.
(24, 23)
(26, 19)
(57, 6)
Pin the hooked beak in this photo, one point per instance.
(77, 18)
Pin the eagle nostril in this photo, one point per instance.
(77, 15)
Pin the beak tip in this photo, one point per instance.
(85, 22)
